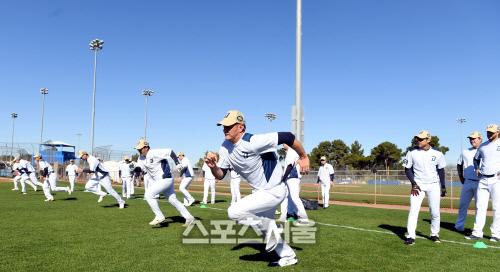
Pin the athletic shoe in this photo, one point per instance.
(189, 222)
(24, 193)
(49, 199)
(190, 202)
(303, 222)
(100, 199)
(69, 191)
(157, 221)
(435, 239)
(15, 189)
(410, 241)
(121, 205)
(494, 239)
(35, 189)
(472, 237)
(285, 261)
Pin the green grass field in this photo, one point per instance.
(75, 233)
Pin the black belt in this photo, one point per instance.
(487, 176)
(473, 179)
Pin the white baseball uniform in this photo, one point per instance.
(71, 172)
(424, 164)
(209, 182)
(235, 187)
(125, 172)
(293, 202)
(23, 178)
(254, 157)
(469, 188)
(17, 176)
(157, 165)
(187, 175)
(488, 154)
(325, 177)
(100, 176)
(50, 180)
(28, 175)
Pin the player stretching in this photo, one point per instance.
(254, 157)
(424, 168)
(49, 179)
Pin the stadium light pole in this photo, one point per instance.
(44, 92)
(297, 111)
(146, 93)
(271, 117)
(13, 116)
(460, 122)
(95, 45)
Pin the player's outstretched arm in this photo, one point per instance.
(303, 160)
(211, 161)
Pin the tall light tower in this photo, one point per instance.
(271, 117)
(14, 116)
(44, 92)
(95, 45)
(147, 94)
(297, 110)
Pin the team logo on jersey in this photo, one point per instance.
(405, 161)
(433, 158)
(150, 160)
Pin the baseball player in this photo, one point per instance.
(254, 157)
(16, 176)
(468, 178)
(27, 174)
(187, 174)
(326, 174)
(235, 187)
(424, 167)
(71, 174)
(49, 179)
(209, 182)
(23, 176)
(101, 176)
(156, 164)
(293, 183)
(125, 171)
(487, 165)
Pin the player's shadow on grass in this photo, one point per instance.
(450, 226)
(70, 198)
(114, 205)
(399, 231)
(262, 255)
(173, 219)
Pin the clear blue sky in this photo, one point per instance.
(372, 70)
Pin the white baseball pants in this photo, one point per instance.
(209, 184)
(259, 207)
(433, 192)
(469, 191)
(235, 190)
(486, 189)
(165, 187)
(325, 193)
(25, 179)
(93, 187)
(127, 186)
(183, 188)
(71, 179)
(293, 202)
(15, 180)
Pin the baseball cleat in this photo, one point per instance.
(24, 193)
(157, 221)
(301, 222)
(285, 261)
(189, 222)
(49, 199)
(100, 199)
(495, 239)
(472, 237)
(410, 241)
(190, 202)
(69, 191)
(435, 239)
(121, 205)
(15, 189)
